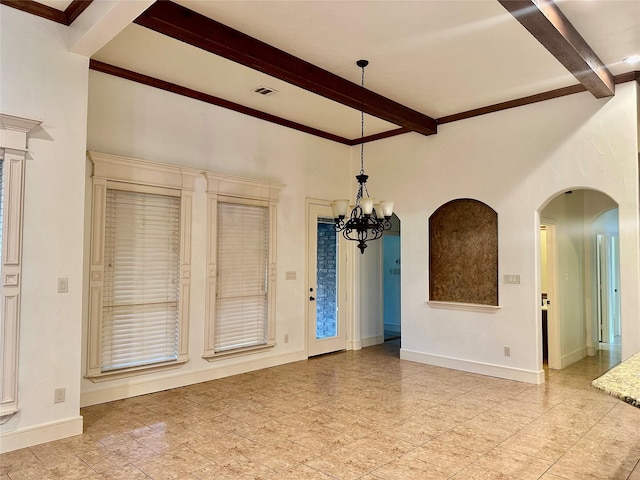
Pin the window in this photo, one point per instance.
(13, 142)
(240, 309)
(141, 275)
(140, 266)
(243, 282)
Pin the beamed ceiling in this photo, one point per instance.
(431, 62)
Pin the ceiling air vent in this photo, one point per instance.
(265, 91)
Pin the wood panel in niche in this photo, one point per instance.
(463, 253)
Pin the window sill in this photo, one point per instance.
(469, 307)
(213, 356)
(131, 372)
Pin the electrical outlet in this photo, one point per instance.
(507, 351)
(58, 395)
(286, 338)
(63, 285)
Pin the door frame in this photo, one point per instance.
(345, 277)
(384, 278)
(553, 308)
(603, 314)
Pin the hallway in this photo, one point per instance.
(353, 415)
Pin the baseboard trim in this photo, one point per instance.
(143, 387)
(38, 434)
(364, 342)
(370, 341)
(606, 346)
(573, 357)
(492, 370)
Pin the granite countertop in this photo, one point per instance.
(622, 381)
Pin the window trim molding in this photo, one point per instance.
(121, 172)
(14, 132)
(233, 189)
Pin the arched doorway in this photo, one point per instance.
(576, 251)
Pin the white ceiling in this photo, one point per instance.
(439, 57)
(57, 4)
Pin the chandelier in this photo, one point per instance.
(367, 219)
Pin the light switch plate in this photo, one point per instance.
(512, 279)
(59, 395)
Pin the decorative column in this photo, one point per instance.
(13, 152)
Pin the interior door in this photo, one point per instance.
(325, 284)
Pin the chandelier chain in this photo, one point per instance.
(362, 124)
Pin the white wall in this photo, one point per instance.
(371, 311)
(133, 120)
(515, 161)
(39, 79)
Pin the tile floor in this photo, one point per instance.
(353, 415)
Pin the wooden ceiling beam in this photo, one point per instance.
(67, 17)
(75, 8)
(38, 9)
(544, 20)
(202, 32)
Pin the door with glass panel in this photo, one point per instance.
(324, 284)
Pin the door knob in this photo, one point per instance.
(312, 298)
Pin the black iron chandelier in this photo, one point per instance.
(368, 219)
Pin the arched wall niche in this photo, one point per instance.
(463, 253)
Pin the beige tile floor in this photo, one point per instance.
(353, 415)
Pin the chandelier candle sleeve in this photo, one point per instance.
(367, 205)
(378, 209)
(387, 208)
(339, 208)
(367, 220)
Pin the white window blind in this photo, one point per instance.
(141, 279)
(243, 252)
